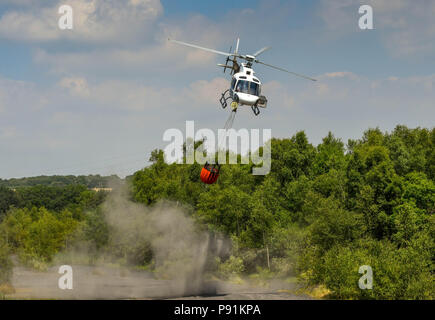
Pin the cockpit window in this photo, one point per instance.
(255, 89)
(233, 83)
(248, 87)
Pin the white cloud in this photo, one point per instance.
(339, 74)
(8, 132)
(337, 16)
(279, 92)
(27, 3)
(405, 27)
(76, 85)
(20, 96)
(164, 56)
(131, 96)
(94, 20)
(2, 101)
(141, 58)
(206, 92)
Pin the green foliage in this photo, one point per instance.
(96, 229)
(285, 246)
(231, 267)
(406, 221)
(292, 158)
(38, 234)
(8, 198)
(403, 273)
(334, 226)
(420, 190)
(227, 209)
(5, 262)
(321, 213)
(90, 181)
(330, 155)
(58, 198)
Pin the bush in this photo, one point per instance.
(38, 234)
(231, 267)
(403, 273)
(5, 263)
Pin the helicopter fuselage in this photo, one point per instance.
(245, 87)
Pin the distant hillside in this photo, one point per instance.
(90, 181)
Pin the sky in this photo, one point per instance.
(97, 99)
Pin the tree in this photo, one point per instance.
(38, 234)
(330, 155)
(291, 158)
(420, 190)
(5, 262)
(226, 210)
(8, 198)
(406, 222)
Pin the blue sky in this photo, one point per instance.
(98, 98)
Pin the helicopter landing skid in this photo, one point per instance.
(255, 110)
(224, 98)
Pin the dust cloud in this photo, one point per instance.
(182, 250)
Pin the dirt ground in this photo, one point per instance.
(91, 282)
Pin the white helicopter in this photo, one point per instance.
(245, 87)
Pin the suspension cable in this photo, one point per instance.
(228, 125)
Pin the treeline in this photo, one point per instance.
(51, 198)
(38, 222)
(322, 212)
(90, 181)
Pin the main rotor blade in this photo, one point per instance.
(237, 46)
(261, 51)
(202, 48)
(281, 69)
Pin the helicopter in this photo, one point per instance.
(245, 88)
